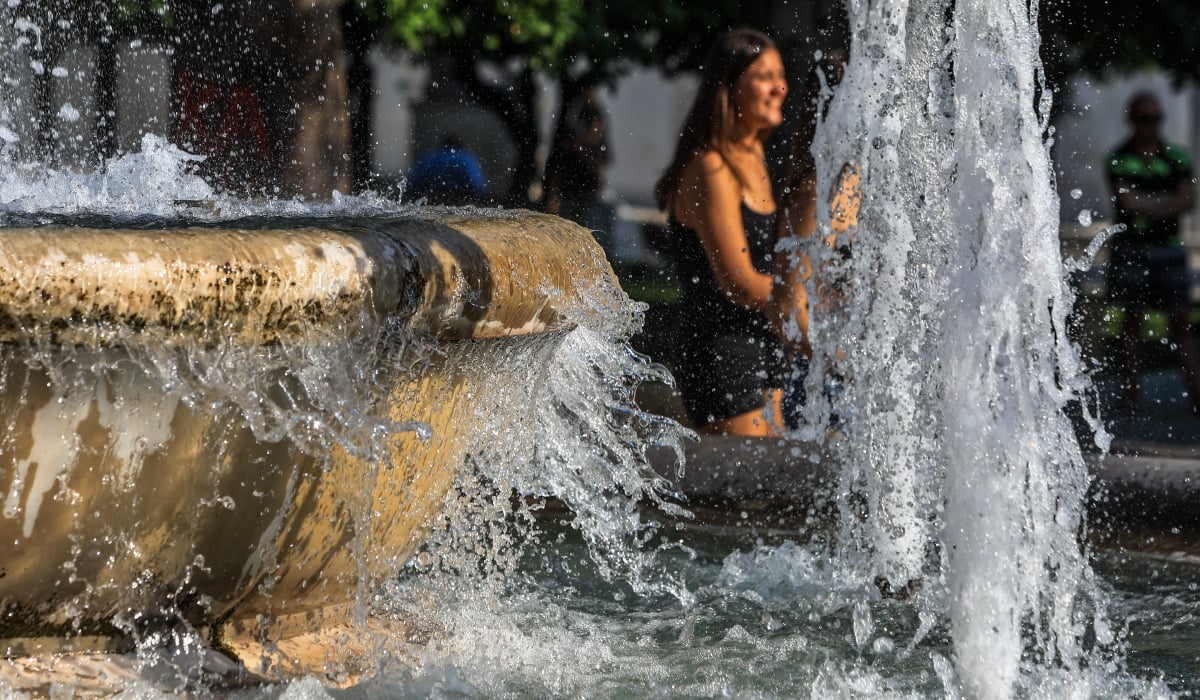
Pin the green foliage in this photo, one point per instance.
(595, 37)
(413, 23)
(536, 29)
(667, 33)
(140, 12)
(1119, 36)
(64, 20)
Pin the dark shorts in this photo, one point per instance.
(1149, 277)
(795, 395)
(726, 375)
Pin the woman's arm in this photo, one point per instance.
(710, 203)
(793, 267)
(797, 222)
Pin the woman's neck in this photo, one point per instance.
(749, 143)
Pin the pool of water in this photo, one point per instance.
(748, 614)
(769, 617)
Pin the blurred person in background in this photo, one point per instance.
(450, 175)
(576, 171)
(729, 363)
(1151, 184)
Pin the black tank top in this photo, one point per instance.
(705, 308)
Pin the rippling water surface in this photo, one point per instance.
(770, 619)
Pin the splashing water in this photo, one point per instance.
(148, 182)
(156, 181)
(567, 421)
(961, 470)
(580, 397)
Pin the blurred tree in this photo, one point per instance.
(107, 23)
(265, 80)
(496, 47)
(1116, 36)
(260, 89)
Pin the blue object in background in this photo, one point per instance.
(450, 175)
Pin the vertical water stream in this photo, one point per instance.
(961, 472)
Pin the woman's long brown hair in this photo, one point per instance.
(710, 123)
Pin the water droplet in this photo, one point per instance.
(1076, 193)
(1085, 217)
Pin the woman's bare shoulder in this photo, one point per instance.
(709, 170)
(707, 182)
(711, 163)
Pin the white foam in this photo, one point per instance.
(150, 181)
(157, 180)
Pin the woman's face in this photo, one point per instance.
(759, 92)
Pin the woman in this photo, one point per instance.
(717, 195)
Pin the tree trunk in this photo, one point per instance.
(105, 130)
(569, 90)
(359, 38)
(46, 144)
(261, 91)
(318, 160)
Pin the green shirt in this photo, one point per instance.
(1160, 173)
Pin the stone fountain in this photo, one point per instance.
(159, 462)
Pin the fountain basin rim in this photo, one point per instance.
(1160, 484)
(449, 277)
